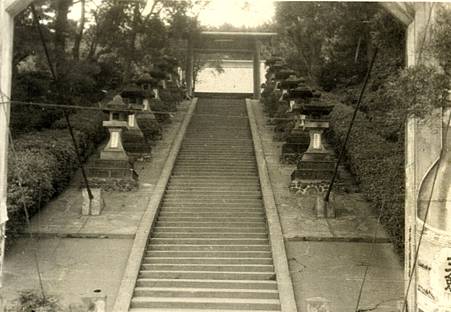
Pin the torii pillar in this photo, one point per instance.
(430, 286)
(189, 67)
(256, 61)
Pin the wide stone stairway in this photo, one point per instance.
(209, 249)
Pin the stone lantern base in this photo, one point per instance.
(136, 145)
(296, 144)
(112, 175)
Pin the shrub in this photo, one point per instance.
(378, 166)
(158, 106)
(43, 164)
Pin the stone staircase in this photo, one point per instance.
(209, 248)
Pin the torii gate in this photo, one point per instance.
(248, 43)
(423, 142)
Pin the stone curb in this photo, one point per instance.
(339, 239)
(285, 286)
(125, 292)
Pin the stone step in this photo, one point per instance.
(214, 192)
(204, 188)
(202, 154)
(212, 174)
(209, 224)
(205, 303)
(214, 179)
(206, 167)
(215, 163)
(203, 260)
(206, 283)
(209, 229)
(214, 198)
(195, 310)
(208, 254)
(208, 275)
(194, 247)
(174, 292)
(219, 213)
(163, 234)
(210, 241)
(218, 204)
(214, 158)
(211, 201)
(207, 267)
(210, 219)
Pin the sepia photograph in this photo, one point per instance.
(225, 156)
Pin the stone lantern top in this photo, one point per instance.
(158, 74)
(133, 97)
(301, 91)
(147, 83)
(278, 66)
(132, 92)
(145, 78)
(317, 109)
(291, 82)
(273, 60)
(284, 74)
(117, 104)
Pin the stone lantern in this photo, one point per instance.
(147, 84)
(147, 121)
(134, 141)
(316, 167)
(297, 140)
(114, 163)
(116, 123)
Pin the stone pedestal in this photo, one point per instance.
(94, 206)
(114, 150)
(114, 169)
(134, 142)
(95, 301)
(296, 144)
(317, 163)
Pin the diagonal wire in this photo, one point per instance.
(36, 19)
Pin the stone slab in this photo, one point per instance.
(334, 272)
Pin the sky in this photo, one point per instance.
(248, 13)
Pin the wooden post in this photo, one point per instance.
(256, 59)
(6, 50)
(189, 67)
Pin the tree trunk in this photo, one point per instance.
(62, 9)
(132, 44)
(79, 37)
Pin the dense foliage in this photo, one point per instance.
(331, 44)
(110, 44)
(371, 157)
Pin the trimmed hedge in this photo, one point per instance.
(378, 165)
(44, 163)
